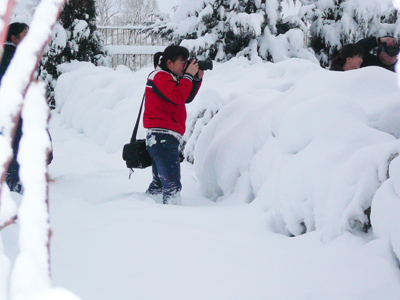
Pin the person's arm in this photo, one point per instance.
(198, 79)
(369, 59)
(196, 86)
(369, 43)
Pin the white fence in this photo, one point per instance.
(131, 46)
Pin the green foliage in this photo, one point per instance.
(79, 10)
(222, 29)
(234, 43)
(77, 24)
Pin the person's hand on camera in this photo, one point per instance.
(390, 41)
(200, 74)
(193, 68)
(387, 59)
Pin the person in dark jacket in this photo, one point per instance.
(16, 33)
(381, 58)
(349, 58)
(174, 83)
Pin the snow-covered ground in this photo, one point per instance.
(279, 150)
(112, 242)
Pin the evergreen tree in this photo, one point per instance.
(222, 29)
(75, 38)
(340, 22)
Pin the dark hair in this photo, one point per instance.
(15, 29)
(173, 53)
(350, 50)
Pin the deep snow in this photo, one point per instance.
(111, 241)
(279, 150)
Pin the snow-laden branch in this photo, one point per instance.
(30, 275)
(21, 72)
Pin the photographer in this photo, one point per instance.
(174, 83)
(349, 58)
(387, 52)
(16, 33)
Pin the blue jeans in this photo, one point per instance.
(164, 150)
(12, 176)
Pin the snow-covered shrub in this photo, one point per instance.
(200, 118)
(386, 208)
(75, 37)
(309, 146)
(313, 156)
(386, 202)
(222, 29)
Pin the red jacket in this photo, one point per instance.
(165, 100)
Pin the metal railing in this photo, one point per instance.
(131, 46)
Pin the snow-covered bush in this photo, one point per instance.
(309, 146)
(75, 37)
(313, 156)
(339, 22)
(222, 29)
(385, 207)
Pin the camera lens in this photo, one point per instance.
(205, 65)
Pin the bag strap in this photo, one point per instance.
(133, 138)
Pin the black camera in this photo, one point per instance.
(203, 64)
(391, 50)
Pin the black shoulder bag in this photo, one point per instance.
(135, 153)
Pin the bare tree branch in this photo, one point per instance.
(9, 222)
